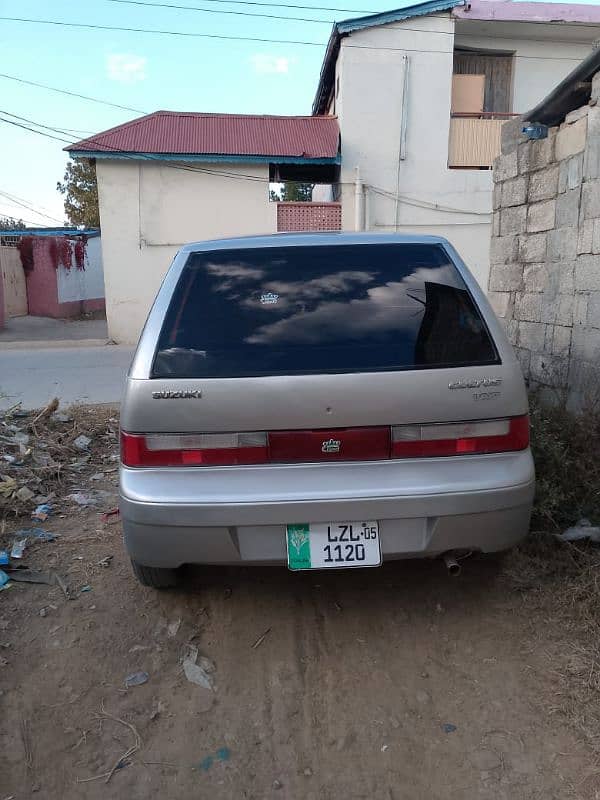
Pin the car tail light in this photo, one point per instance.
(336, 444)
(204, 449)
(460, 438)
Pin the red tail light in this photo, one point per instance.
(462, 438)
(337, 444)
(193, 450)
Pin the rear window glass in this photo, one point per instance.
(320, 309)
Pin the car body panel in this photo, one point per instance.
(238, 514)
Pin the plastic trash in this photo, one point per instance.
(39, 576)
(37, 533)
(4, 579)
(82, 442)
(136, 679)
(82, 499)
(42, 512)
(4, 558)
(222, 754)
(24, 494)
(448, 727)
(111, 517)
(18, 548)
(583, 530)
(198, 673)
(8, 486)
(43, 536)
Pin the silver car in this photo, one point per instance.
(321, 401)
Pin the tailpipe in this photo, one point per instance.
(452, 565)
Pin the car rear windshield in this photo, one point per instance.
(320, 309)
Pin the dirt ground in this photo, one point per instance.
(397, 683)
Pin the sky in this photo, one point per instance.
(143, 72)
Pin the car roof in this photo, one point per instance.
(312, 239)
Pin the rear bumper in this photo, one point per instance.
(424, 508)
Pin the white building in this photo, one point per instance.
(420, 94)
(171, 178)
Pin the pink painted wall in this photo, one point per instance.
(505, 10)
(42, 291)
(42, 287)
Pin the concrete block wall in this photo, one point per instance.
(545, 252)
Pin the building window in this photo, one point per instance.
(497, 71)
(481, 103)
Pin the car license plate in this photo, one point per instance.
(321, 545)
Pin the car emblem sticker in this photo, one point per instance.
(331, 446)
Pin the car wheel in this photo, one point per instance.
(155, 577)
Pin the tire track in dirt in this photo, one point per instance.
(354, 681)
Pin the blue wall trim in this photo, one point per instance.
(89, 232)
(416, 10)
(204, 158)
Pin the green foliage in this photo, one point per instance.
(293, 192)
(9, 223)
(566, 450)
(81, 193)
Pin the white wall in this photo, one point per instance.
(433, 199)
(147, 211)
(543, 54)
(87, 284)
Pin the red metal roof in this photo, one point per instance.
(172, 132)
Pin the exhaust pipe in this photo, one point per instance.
(452, 565)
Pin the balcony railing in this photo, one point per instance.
(475, 139)
(303, 216)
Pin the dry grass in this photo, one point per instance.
(559, 580)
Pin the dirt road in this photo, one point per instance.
(389, 684)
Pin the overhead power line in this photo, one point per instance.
(22, 200)
(9, 215)
(66, 131)
(255, 178)
(191, 34)
(33, 130)
(137, 156)
(71, 94)
(216, 36)
(256, 14)
(13, 200)
(285, 5)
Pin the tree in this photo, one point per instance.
(81, 193)
(8, 224)
(293, 191)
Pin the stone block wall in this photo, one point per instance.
(545, 252)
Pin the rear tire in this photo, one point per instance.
(155, 577)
